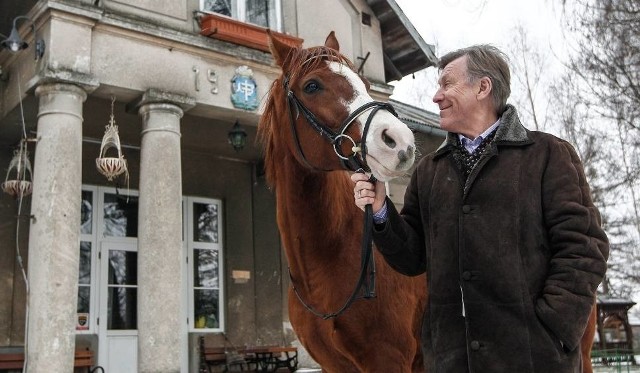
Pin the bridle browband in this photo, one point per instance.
(355, 162)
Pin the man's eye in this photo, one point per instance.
(311, 87)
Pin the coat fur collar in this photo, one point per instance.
(510, 132)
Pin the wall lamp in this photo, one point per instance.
(237, 137)
(15, 43)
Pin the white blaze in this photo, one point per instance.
(381, 158)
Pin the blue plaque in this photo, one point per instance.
(244, 90)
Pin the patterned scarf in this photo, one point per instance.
(467, 162)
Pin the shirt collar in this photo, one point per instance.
(482, 136)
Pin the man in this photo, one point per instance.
(502, 221)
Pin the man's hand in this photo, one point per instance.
(365, 192)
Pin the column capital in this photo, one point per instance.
(60, 87)
(157, 96)
(161, 107)
(88, 83)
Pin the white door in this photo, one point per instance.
(118, 329)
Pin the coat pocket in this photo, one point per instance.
(550, 339)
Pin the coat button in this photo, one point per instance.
(475, 345)
(466, 275)
(466, 209)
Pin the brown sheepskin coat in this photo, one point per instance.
(521, 242)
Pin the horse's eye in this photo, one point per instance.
(311, 87)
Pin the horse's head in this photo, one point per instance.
(322, 108)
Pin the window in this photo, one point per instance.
(118, 220)
(86, 307)
(204, 263)
(109, 220)
(122, 295)
(120, 215)
(265, 13)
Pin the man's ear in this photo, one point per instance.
(484, 88)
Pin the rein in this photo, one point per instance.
(353, 162)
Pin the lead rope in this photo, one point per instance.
(367, 229)
(367, 261)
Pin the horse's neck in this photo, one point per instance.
(316, 213)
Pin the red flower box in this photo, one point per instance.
(231, 30)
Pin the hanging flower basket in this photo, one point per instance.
(17, 188)
(111, 167)
(17, 183)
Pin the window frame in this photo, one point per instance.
(239, 13)
(97, 237)
(92, 239)
(192, 245)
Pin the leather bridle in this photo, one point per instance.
(357, 159)
(357, 162)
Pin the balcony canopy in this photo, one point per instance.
(405, 52)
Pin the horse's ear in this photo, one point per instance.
(279, 50)
(332, 42)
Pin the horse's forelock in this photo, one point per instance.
(313, 58)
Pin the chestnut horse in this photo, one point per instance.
(316, 96)
(320, 226)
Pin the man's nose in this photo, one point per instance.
(437, 97)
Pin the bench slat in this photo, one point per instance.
(82, 359)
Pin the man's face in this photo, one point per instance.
(456, 97)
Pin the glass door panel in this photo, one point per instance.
(122, 290)
(118, 332)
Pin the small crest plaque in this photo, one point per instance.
(244, 90)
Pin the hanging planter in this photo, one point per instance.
(112, 167)
(17, 184)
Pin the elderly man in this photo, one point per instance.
(502, 221)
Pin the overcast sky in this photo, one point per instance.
(453, 24)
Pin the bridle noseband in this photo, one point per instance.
(355, 162)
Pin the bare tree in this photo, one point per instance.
(530, 67)
(598, 102)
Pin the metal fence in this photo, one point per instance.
(615, 360)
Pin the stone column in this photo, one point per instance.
(160, 319)
(55, 229)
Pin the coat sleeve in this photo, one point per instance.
(579, 246)
(400, 239)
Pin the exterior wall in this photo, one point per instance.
(356, 39)
(123, 49)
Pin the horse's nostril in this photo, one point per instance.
(410, 151)
(404, 156)
(388, 140)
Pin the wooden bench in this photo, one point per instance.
(250, 359)
(15, 360)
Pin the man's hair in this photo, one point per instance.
(485, 60)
